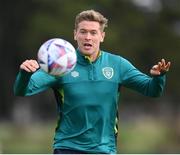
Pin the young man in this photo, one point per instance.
(88, 103)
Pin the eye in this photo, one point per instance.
(83, 32)
(93, 32)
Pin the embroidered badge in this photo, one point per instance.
(108, 72)
(74, 74)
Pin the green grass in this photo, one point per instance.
(29, 139)
(149, 136)
(142, 136)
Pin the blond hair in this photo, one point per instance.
(91, 15)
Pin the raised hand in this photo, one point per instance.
(160, 68)
(29, 65)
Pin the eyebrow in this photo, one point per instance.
(86, 30)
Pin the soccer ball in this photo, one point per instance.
(57, 57)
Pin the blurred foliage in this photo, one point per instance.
(138, 33)
(143, 31)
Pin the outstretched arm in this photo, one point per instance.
(32, 80)
(149, 86)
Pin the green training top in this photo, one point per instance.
(87, 99)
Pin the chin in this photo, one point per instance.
(85, 52)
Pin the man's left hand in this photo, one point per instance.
(161, 68)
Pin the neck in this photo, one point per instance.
(93, 58)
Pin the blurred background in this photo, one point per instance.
(143, 31)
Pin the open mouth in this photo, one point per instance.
(87, 45)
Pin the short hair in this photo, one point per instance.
(91, 15)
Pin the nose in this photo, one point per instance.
(88, 36)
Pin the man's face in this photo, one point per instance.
(89, 36)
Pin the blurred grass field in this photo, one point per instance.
(37, 138)
(144, 136)
(148, 136)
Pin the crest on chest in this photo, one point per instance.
(108, 72)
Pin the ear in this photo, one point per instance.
(75, 35)
(102, 36)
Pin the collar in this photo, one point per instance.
(85, 60)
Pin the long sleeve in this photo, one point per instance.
(27, 84)
(138, 81)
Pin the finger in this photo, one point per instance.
(24, 67)
(168, 66)
(29, 66)
(163, 63)
(159, 66)
(24, 64)
(34, 64)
